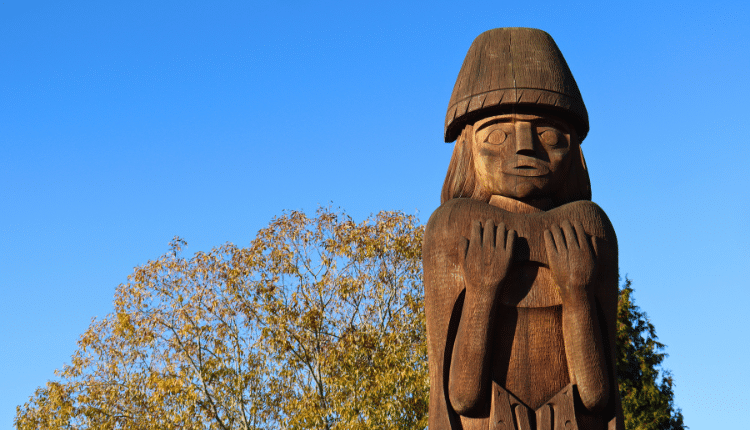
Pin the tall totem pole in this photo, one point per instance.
(520, 266)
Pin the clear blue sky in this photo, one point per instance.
(125, 123)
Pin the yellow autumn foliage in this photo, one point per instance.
(318, 324)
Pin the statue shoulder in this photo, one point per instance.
(593, 217)
(596, 223)
(457, 212)
(445, 228)
(453, 219)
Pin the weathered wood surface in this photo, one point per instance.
(526, 349)
(520, 267)
(516, 66)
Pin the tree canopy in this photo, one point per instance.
(646, 389)
(319, 323)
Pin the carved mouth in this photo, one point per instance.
(527, 168)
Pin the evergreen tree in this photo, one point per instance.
(318, 324)
(646, 388)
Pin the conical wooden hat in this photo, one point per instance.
(514, 68)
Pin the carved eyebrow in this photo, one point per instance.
(551, 122)
(493, 122)
(536, 122)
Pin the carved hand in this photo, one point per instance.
(570, 257)
(486, 257)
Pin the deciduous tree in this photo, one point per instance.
(317, 324)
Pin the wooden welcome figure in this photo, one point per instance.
(520, 267)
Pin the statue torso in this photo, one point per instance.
(528, 352)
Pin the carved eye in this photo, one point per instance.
(496, 137)
(549, 137)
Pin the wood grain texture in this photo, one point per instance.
(518, 66)
(526, 350)
(520, 267)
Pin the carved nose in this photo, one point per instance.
(524, 139)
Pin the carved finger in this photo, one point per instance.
(559, 239)
(463, 249)
(489, 233)
(549, 242)
(570, 236)
(510, 242)
(583, 238)
(476, 233)
(500, 236)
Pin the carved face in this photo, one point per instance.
(521, 156)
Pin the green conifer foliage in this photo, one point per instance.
(646, 388)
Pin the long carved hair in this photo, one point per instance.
(461, 181)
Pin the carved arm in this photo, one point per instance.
(573, 267)
(485, 260)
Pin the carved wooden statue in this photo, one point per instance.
(520, 266)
